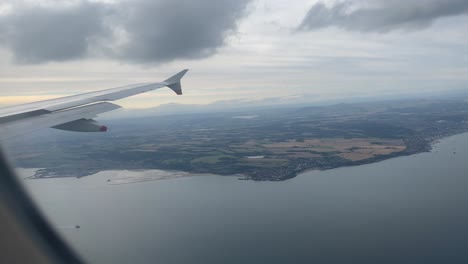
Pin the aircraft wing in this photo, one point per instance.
(73, 113)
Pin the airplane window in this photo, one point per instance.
(247, 131)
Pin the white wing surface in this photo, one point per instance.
(73, 113)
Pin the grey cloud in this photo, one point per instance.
(381, 15)
(139, 31)
(163, 30)
(51, 34)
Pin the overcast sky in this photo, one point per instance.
(241, 49)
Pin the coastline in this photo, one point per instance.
(297, 168)
(427, 147)
(117, 177)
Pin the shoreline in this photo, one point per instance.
(116, 177)
(396, 155)
(285, 174)
(405, 153)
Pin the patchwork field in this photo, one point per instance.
(352, 149)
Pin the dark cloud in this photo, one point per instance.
(163, 30)
(139, 31)
(381, 15)
(37, 34)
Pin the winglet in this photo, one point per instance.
(174, 82)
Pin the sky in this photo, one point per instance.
(236, 50)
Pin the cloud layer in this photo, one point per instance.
(139, 31)
(381, 15)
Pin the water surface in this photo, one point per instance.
(404, 210)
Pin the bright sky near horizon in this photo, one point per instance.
(234, 49)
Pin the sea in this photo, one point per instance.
(411, 209)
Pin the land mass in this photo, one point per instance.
(261, 145)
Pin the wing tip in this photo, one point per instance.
(176, 77)
(174, 82)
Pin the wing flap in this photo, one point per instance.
(82, 125)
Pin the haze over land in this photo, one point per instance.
(261, 143)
